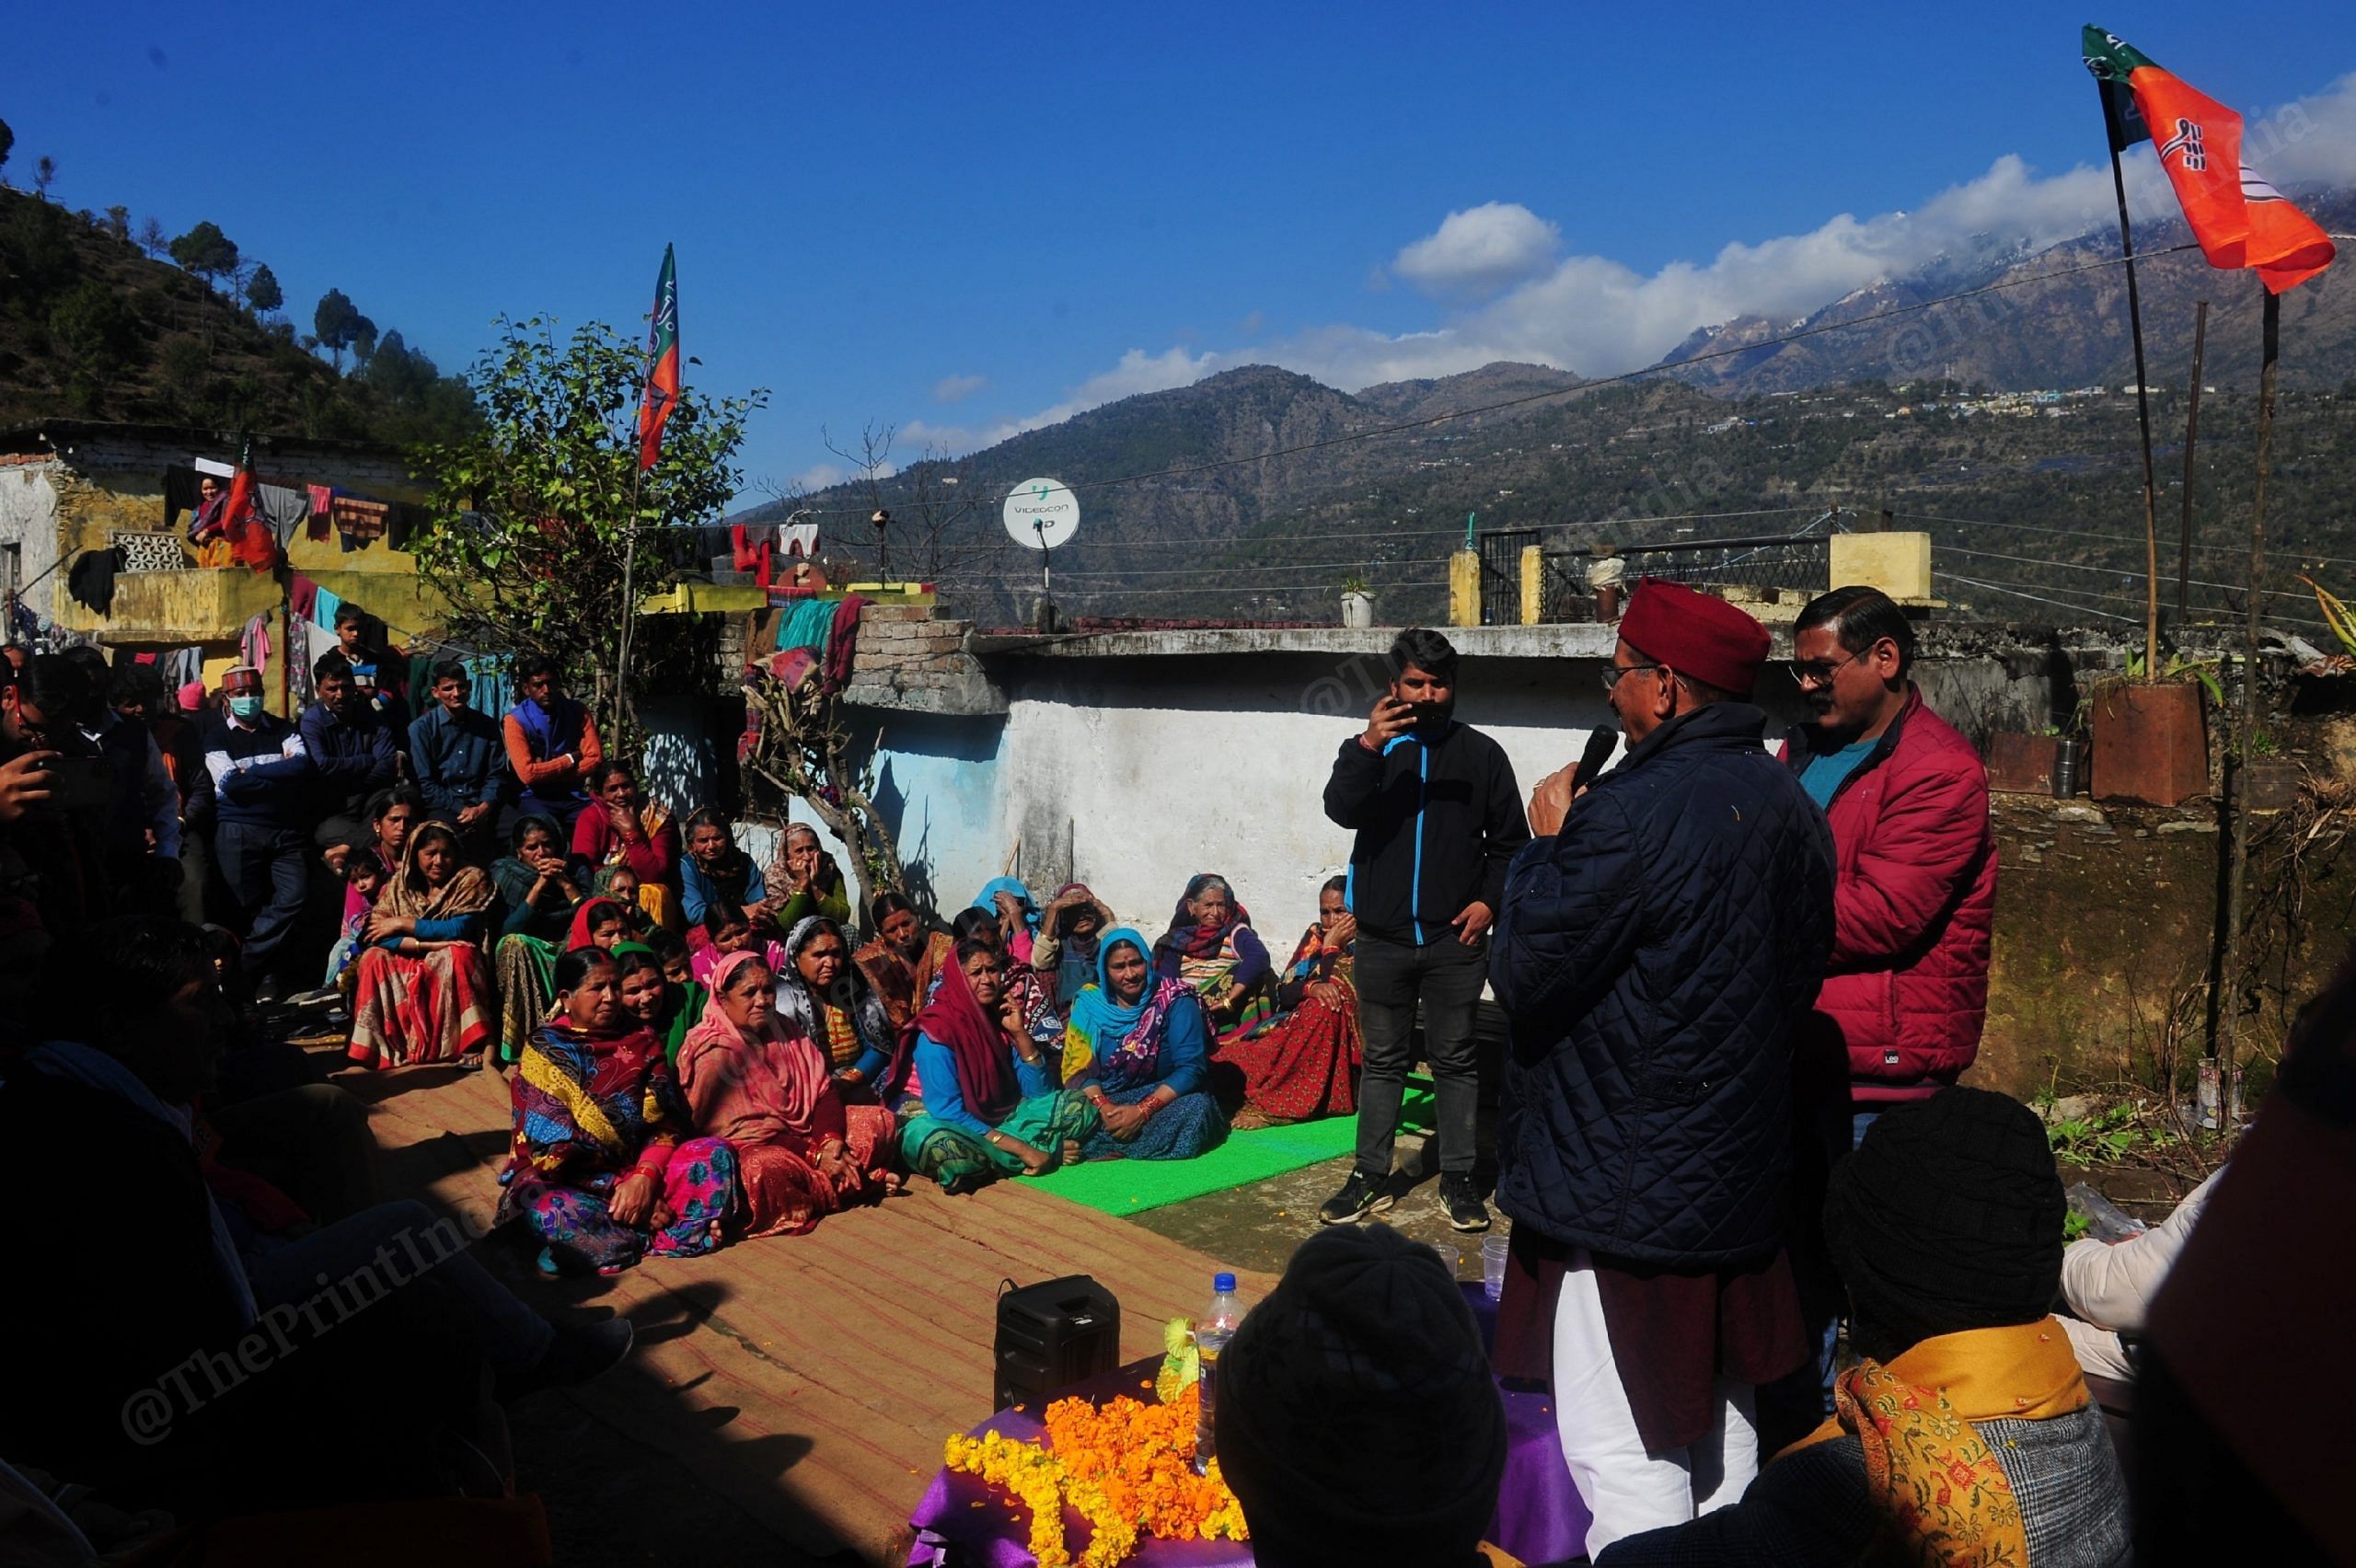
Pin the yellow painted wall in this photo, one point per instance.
(1464, 588)
(1898, 564)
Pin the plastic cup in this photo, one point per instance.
(1493, 1265)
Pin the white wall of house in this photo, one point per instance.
(28, 531)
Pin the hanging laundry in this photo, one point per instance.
(183, 665)
(324, 605)
(180, 492)
(760, 533)
(802, 539)
(490, 693)
(253, 643)
(842, 642)
(90, 580)
(301, 594)
(361, 518)
(322, 509)
(285, 509)
(806, 624)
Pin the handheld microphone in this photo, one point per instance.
(1599, 744)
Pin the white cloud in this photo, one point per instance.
(1505, 292)
(818, 476)
(957, 388)
(2309, 140)
(1480, 251)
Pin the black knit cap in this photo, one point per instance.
(1947, 1218)
(1357, 1420)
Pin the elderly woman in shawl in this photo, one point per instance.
(756, 1080)
(1064, 951)
(904, 959)
(803, 880)
(422, 989)
(821, 994)
(606, 1168)
(1305, 1065)
(1139, 1050)
(976, 1098)
(1210, 945)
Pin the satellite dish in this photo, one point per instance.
(1042, 513)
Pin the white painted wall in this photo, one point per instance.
(1131, 775)
(29, 521)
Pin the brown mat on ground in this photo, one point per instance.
(810, 1379)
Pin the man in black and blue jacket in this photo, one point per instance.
(267, 794)
(1438, 817)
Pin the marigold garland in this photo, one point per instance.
(1126, 1467)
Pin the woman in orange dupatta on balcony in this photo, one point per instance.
(801, 1154)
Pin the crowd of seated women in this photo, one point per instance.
(699, 1048)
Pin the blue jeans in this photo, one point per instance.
(268, 870)
(1838, 1141)
(392, 1247)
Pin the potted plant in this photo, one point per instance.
(2150, 740)
(1357, 603)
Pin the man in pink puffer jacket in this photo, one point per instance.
(1906, 989)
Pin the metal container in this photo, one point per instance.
(2069, 769)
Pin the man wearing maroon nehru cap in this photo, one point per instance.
(1660, 942)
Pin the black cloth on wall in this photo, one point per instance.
(90, 580)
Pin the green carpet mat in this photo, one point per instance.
(1133, 1186)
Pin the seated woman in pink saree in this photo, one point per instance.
(422, 989)
(801, 1153)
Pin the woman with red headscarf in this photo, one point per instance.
(975, 1095)
(801, 1152)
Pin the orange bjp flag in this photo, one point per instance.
(2240, 220)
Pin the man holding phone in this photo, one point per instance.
(52, 796)
(265, 787)
(1438, 817)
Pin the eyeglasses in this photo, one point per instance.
(1820, 674)
(1612, 676)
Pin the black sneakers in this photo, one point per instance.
(1360, 1196)
(1459, 1199)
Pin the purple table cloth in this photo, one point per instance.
(1541, 1518)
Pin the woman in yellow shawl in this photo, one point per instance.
(423, 988)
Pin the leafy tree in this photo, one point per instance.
(8, 141)
(95, 335)
(363, 338)
(262, 291)
(333, 320)
(206, 251)
(118, 224)
(541, 510)
(44, 176)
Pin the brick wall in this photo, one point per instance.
(910, 658)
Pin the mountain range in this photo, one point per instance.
(1258, 491)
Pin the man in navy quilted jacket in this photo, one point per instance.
(1660, 940)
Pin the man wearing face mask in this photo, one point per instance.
(1438, 817)
(264, 790)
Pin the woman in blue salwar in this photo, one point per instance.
(1138, 1048)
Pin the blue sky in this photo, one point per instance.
(964, 220)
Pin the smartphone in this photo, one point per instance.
(78, 783)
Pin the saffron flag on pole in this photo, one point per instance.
(2239, 219)
(661, 364)
(242, 525)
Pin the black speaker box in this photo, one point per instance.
(1053, 1334)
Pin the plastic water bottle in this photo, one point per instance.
(1212, 1330)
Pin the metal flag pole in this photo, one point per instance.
(2230, 1009)
(2143, 398)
